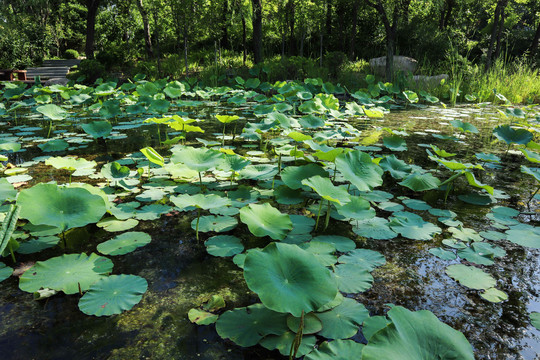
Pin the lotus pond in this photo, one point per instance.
(164, 220)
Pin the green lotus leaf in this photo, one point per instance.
(283, 343)
(512, 136)
(364, 258)
(224, 245)
(412, 226)
(52, 112)
(535, 320)
(247, 326)
(289, 279)
(472, 181)
(301, 224)
(340, 243)
(114, 171)
(286, 196)
(198, 159)
(312, 324)
(442, 254)
(478, 199)
(353, 278)
(492, 235)
(215, 223)
(265, 220)
(10, 146)
(411, 96)
(152, 211)
(534, 172)
(292, 176)
(343, 321)
(225, 119)
(70, 163)
(465, 234)
(416, 204)
(481, 253)
(206, 202)
(488, 157)
(470, 277)
(153, 156)
(147, 89)
(124, 243)
(66, 273)
(311, 122)
(62, 207)
(395, 143)
(326, 189)
(200, 317)
(337, 350)
(160, 106)
(286, 122)
(7, 191)
(494, 295)
(390, 206)
(36, 245)
(150, 195)
(259, 172)
(420, 182)
(397, 168)
(114, 225)
(524, 235)
(376, 228)
(373, 324)
(357, 209)
(417, 335)
(440, 152)
(98, 129)
(358, 168)
(104, 89)
(464, 126)
(113, 295)
(531, 155)
(323, 251)
(5, 272)
(54, 145)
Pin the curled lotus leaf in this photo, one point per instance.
(266, 220)
(292, 176)
(327, 190)
(510, 135)
(198, 159)
(98, 129)
(337, 350)
(358, 168)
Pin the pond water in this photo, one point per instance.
(181, 274)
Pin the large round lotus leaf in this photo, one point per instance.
(337, 350)
(376, 228)
(54, 145)
(247, 326)
(358, 168)
(301, 224)
(52, 112)
(98, 129)
(311, 122)
(395, 143)
(341, 243)
(5, 272)
(357, 209)
(284, 195)
(283, 343)
(70, 163)
(373, 324)
(343, 321)
(224, 245)
(215, 223)
(464, 126)
(353, 278)
(36, 245)
(512, 136)
(421, 182)
(312, 324)
(62, 207)
(289, 279)
(481, 253)
(367, 259)
(198, 159)
(326, 189)
(470, 277)
(66, 273)
(124, 243)
(524, 235)
(259, 172)
(417, 336)
(397, 168)
(114, 225)
(412, 226)
(114, 171)
(478, 199)
(205, 202)
(416, 204)
(265, 220)
(8, 192)
(113, 295)
(292, 176)
(324, 251)
(535, 320)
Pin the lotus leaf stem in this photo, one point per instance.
(327, 219)
(319, 214)
(197, 226)
(297, 339)
(532, 196)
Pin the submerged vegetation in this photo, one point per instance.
(304, 186)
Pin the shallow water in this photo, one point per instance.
(181, 275)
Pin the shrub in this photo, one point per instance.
(91, 70)
(71, 54)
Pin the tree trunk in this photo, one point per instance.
(146, 28)
(290, 7)
(499, 35)
(352, 40)
(534, 44)
(390, 47)
(224, 30)
(186, 45)
(447, 13)
(328, 17)
(244, 42)
(257, 30)
(501, 4)
(92, 6)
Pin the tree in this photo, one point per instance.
(92, 6)
(257, 30)
(498, 24)
(146, 29)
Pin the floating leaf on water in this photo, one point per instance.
(358, 168)
(492, 235)
(416, 204)
(524, 235)
(340, 243)
(265, 220)
(373, 324)
(397, 168)
(395, 143)
(5, 272)
(481, 253)
(442, 254)
(301, 224)
(312, 324)
(323, 251)
(343, 321)
(470, 277)
(337, 350)
(494, 295)
(36, 245)
(113, 295)
(376, 228)
(512, 136)
(421, 182)
(200, 317)
(54, 145)
(224, 245)
(215, 223)
(353, 278)
(364, 258)
(326, 189)
(412, 226)
(292, 176)
(124, 243)
(390, 206)
(535, 320)
(478, 199)
(357, 209)
(114, 225)
(283, 343)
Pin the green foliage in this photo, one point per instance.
(71, 54)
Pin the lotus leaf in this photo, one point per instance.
(443, 254)
(357, 209)
(534, 172)
(464, 126)
(343, 321)
(7, 191)
(289, 279)
(364, 258)
(512, 136)
(358, 168)
(337, 350)
(52, 112)
(481, 253)
(200, 317)
(114, 225)
(215, 223)
(206, 202)
(283, 343)
(198, 159)
(417, 335)
(373, 324)
(124, 243)
(524, 235)
(323, 251)
(54, 145)
(465, 234)
(326, 189)
(535, 320)
(470, 277)
(98, 129)
(312, 324)
(259, 172)
(353, 278)
(292, 176)
(114, 171)
(70, 163)
(62, 207)
(224, 245)
(397, 168)
(412, 226)
(67, 273)
(247, 326)
(376, 228)
(36, 245)
(113, 295)
(494, 295)
(265, 220)
(301, 224)
(153, 156)
(420, 182)
(340, 243)
(395, 143)
(416, 204)
(5, 272)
